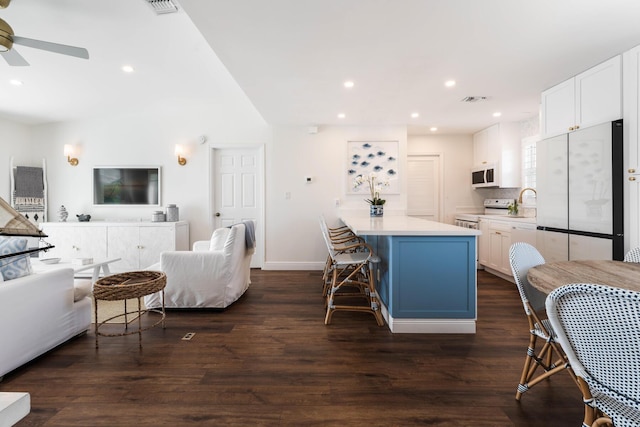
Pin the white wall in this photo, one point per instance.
(457, 155)
(15, 140)
(147, 138)
(292, 228)
(292, 232)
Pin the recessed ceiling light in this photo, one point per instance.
(15, 82)
(497, 114)
(433, 129)
(348, 84)
(415, 115)
(450, 83)
(127, 68)
(342, 115)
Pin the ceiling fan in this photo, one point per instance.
(7, 39)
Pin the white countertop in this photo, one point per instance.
(401, 225)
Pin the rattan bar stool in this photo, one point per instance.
(342, 240)
(351, 277)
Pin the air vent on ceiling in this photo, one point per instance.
(163, 6)
(474, 98)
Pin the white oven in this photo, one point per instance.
(467, 221)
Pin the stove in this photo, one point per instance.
(497, 206)
(491, 207)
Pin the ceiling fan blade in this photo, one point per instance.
(78, 52)
(13, 58)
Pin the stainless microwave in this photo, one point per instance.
(484, 176)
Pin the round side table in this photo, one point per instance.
(124, 286)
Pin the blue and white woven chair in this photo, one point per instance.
(549, 357)
(633, 255)
(599, 329)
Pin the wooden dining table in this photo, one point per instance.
(549, 276)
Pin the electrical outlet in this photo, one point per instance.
(188, 336)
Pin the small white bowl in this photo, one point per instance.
(49, 260)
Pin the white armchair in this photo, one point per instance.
(215, 274)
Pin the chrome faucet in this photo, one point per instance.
(523, 190)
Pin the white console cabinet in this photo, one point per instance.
(138, 244)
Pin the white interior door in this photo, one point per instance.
(237, 191)
(424, 186)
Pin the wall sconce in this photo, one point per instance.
(68, 151)
(180, 152)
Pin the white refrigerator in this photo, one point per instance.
(580, 194)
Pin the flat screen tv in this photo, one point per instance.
(130, 185)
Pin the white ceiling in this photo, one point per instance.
(291, 57)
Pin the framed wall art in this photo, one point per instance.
(380, 157)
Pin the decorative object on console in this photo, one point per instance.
(63, 214)
(172, 213)
(84, 217)
(157, 216)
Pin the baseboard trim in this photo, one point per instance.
(270, 265)
(429, 326)
(499, 274)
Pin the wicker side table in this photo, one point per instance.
(124, 286)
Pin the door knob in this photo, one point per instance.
(632, 178)
(217, 213)
(632, 170)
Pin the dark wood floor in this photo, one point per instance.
(270, 360)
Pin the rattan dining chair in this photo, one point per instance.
(599, 329)
(549, 357)
(633, 255)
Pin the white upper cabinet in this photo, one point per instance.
(590, 98)
(499, 145)
(486, 146)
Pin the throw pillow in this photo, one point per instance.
(218, 238)
(17, 266)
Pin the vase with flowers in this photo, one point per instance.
(375, 186)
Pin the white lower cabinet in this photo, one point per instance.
(500, 242)
(496, 240)
(138, 244)
(75, 241)
(484, 242)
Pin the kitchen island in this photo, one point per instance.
(426, 279)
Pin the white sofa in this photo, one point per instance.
(214, 275)
(38, 313)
